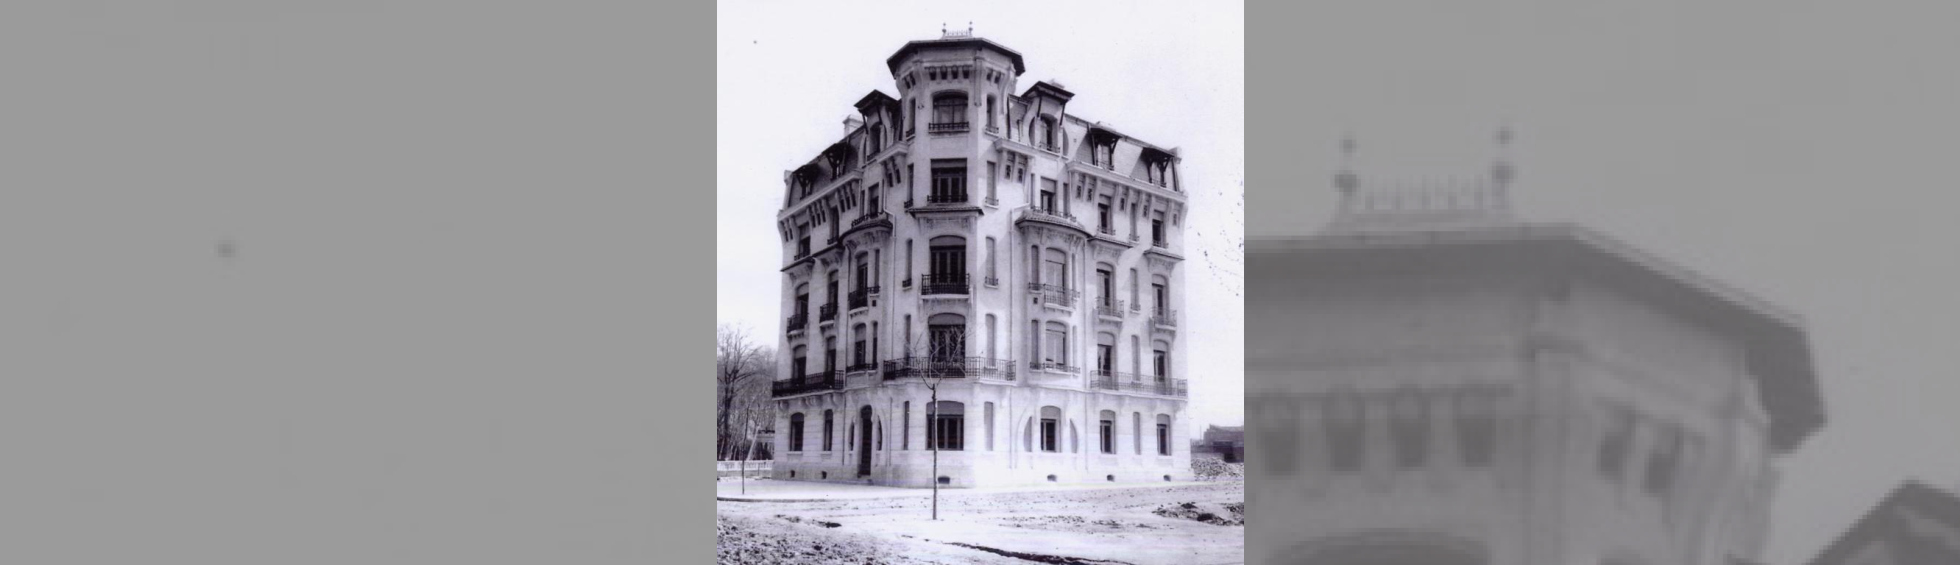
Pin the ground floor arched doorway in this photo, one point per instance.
(864, 442)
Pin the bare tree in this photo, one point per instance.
(933, 359)
(740, 365)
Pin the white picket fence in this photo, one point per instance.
(731, 469)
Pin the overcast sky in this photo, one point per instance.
(1170, 73)
(1802, 150)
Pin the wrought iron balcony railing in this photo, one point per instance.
(826, 380)
(947, 127)
(827, 312)
(1109, 309)
(1054, 295)
(1157, 386)
(946, 197)
(993, 129)
(944, 283)
(1106, 229)
(1053, 366)
(1158, 243)
(1164, 318)
(862, 297)
(871, 217)
(948, 368)
(797, 322)
(861, 367)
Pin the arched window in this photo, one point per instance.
(1054, 346)
(799, 363)
(1136, 431)
(990, 112)
(949, 111)
(796, 432)
(1163, 434)
(1106, 360)
(1045, 134)
(1051, 421)
(1160, 295)
(946, 342)
(947, 422)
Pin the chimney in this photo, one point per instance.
(851, 123)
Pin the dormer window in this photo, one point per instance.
(1157, 167)
(1046, 134)
(1102, 148)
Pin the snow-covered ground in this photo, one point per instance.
(1184, 524)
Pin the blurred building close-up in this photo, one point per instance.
(1434, 380)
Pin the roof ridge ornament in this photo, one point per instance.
(1422, 203)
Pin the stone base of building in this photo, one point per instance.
(1001, 443)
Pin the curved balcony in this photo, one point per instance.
(1053, 295)
(1037, 216)
(949, 368)
(826, 380)
(956, 284)
(797, 323)
(1128, 382)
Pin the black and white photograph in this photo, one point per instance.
(1655, 283)
(980, 272)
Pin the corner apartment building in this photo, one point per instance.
(1026, 261)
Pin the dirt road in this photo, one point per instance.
(1180, 525)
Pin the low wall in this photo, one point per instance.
(734, 469)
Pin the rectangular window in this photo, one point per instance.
(1047, 203)
(1048, 436)
(993, 180)
(948, 344)
(990, 426)
(1163, 439)
(798, 367)
(1615, 443)
(905, 424)
(1106, 287)
(908, 261)
(796, 433)
(1105, 359)
(827, 425)
(1134, 303)
(857, 352)
(1102, 218)
(990, 260)
(948, 181)
(1157, 232)
(1160, 363)
(1108, 436)
(946, 430)
(990, 340)
(1163, 296)
(871, 199)
(1049, 193)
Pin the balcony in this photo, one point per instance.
(1159, 243)
(944, 283)
(1110, 310)
(797, 322)
(949, 368)
(946, 197)
(993, 282)
(1128, 382)
(1053, 367)
(826, 380)
(873, 217)
(1164, 319)
(1107, 230)
(992, 201)
(803, 248)
(993, 129)
(827, 313)
(861, 367)
(1037, 214)
(947, 127)
(861, 298)
(1052, 295)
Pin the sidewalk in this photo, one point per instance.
(771, 490)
